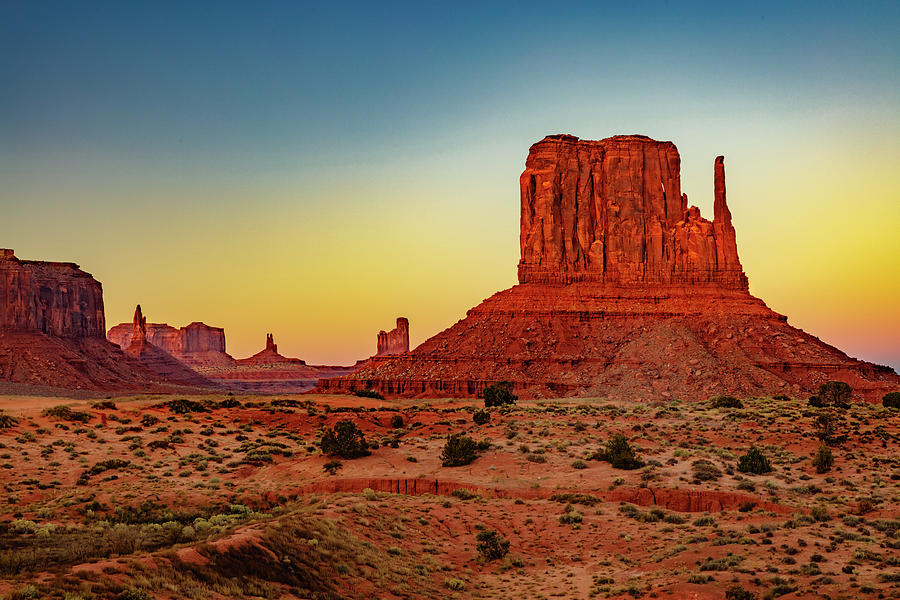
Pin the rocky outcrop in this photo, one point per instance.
(166, 366)
(269, 355)
(56, 298)
(612, 211)
(52, 331)
(395, 341)
(196, 344)
(624, 292)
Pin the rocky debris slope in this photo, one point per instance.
(625, 292)
(395, 341)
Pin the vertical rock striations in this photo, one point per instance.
(56, 298)
(395, 341)
(611, 211)
(196, 344)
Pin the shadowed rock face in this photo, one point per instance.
(625, 292)
(395, 341)
(612, 211)
(56, 298)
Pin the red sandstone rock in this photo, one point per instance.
(196, 344)
(56, 298)
(269, 355)
(169, 368)
(612, 211)
(52, 331)
(625, 292)
(395, 341)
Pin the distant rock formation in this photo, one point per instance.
(52, 331)
(269, 355)
(395, 341)
(156, 359)
(196, 344)
(625, 291)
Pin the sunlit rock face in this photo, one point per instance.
(625, 291)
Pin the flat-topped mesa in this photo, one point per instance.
(56, 298)
(395, 341)
(612, 211)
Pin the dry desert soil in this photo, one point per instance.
(231, 497)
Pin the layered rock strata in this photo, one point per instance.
(625, 291)
(395, 341)
(169, 368)
(52, 331)
(196, 344)
(56, 298)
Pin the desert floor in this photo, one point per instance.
(228, 497)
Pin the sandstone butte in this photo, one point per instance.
(158, 360)
(624, 291)
(395, 341)
(196, 344)
(52, 330)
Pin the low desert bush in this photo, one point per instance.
(344, 440)
(66, 414)
(499, 394)
(481, 417)
(726, 402)
(396, 422)
(823, 459)
(891, 400)
(754, 462)
(459, 450)
(491, 545)
(368, 394)
(619, 453)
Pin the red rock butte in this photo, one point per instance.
(52, 330)
(625, 291)
(196, 344)
(395, 341)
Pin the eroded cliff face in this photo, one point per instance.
(612, 211)
(56, 298)
(395, 341)
(196, 344)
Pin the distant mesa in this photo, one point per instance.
(395, 341)
(157, 359)
(52, 330)
(196, 344)
(625, 291)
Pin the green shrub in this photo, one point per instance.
(754, 462)
(182, 406)
(344, 440)
(736, 592)
(459, 450)
(455, 584)
(7, 421)
(396, 422)
(104, 405)
(332, 466)
(835, 394)
(705, 470)
(230, 402)
(891, 400)
(491, 545)
(66, 414)
(133, 594)
(827, 425)
(368, 394)
(619, 453)
(726, 402)
(481, 417)
(823, 459)
(499, 394)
